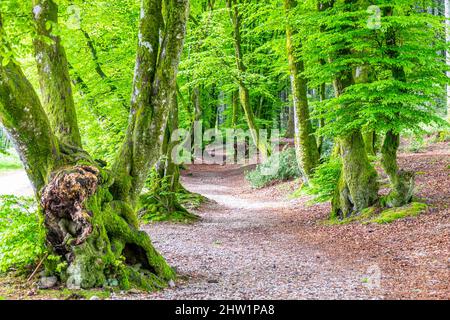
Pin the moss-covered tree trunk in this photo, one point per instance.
(244, 94)
(402, 182)
(357, 188)
(320, 138)
(53, 72)
(162, 198)
(89, 212)
(305, 141)
(362, 75)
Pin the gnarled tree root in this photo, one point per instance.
(97, 236)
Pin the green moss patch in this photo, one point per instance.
(377, 215)
(411, 210)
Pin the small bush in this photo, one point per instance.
(272, 170)
(21, 233)
(324, 181)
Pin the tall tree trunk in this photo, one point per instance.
(305, 142)
(402, 182)
(153, 87)
(244, 94)
(88, 211)
(53, 74)
(357, 188)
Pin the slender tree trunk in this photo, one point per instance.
(402, 182)
(305, 142)
(235, 106)
(290, 130)
(322, 98)
(244, 94)
(154, 84)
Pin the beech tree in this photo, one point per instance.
(89, 211)
(305, 142)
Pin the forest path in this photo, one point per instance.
(15, 182)
(247, 247)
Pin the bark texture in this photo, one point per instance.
(305, 142)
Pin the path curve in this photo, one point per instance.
(246, 247)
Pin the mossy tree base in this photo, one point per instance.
(96, 236)
(357, 188)
(382, 215)
(402, 182)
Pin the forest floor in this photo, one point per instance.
(259, 244)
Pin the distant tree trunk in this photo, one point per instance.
(244, 94)
(322, 98)
(402, 182)
(235, 108)
(290, 130)
(305, 141)
(89, 212)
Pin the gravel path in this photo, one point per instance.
(15, 182)
(246, 247)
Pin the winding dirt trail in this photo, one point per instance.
(247, 247)
(257, 244)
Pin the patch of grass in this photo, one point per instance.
(9, 161)
(411, 210)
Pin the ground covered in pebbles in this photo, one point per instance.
(257, 244)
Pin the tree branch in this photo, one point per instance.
(53, 74)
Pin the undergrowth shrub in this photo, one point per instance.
(323, 183)
(160, 203)
(271, 170)
(22, 233)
